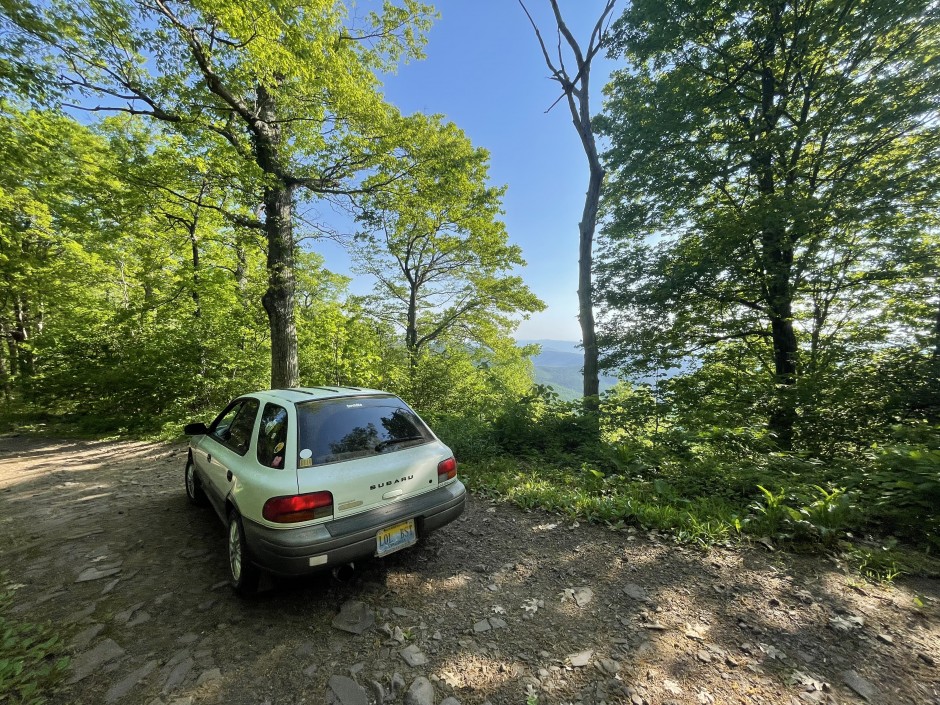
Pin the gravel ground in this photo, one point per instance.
(501, 606)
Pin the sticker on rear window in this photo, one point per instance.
(354, 406)
(306, 453)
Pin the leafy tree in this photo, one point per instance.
(434, 242)
(287, 88)
(54, 185)
(771, 166)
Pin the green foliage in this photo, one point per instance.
(32, 657)
(901, 486)
(880, 565)
(765, 214)
(434, 243)
(813, 514)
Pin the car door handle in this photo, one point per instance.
(208, 457)
(228, 475)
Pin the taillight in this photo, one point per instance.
(446, 470)
(298, 507)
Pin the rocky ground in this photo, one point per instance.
(501, 606)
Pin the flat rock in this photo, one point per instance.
(450, 701)
(583, 596)
(94, 573)
(345, 691)
(482, 626)
(378, 691)
(421, 692)
(859, 685)
(124, 616)
(497, 623)
(413, 656)
(636, 592)
(87, 663)
(354, 617)
(655, 626)
(213, 674)
(580, 658)
(126, 684)
(85, 637)
(846, 624)
(178, 674)
(139, 618)
(81, 614)
(397, 684)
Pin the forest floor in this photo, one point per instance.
(502, 606)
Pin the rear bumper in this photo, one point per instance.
(289, 551)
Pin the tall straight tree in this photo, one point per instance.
(287, 87)
(576, 91)
(768, 162)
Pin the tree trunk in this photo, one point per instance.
(776, 253)
(21, 354)
(195, 249)
(783, 414)
(586, 287)
(6, 388)
(278, 300)
(411, 331)
(577, 91)
(936, 335)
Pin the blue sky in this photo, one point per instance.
(485, 72)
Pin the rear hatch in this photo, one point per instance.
(367, 451)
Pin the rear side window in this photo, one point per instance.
(272, 436)
(233, 427)
(354, 427)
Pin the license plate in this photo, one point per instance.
(395, 538)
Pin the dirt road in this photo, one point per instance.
(502, 606)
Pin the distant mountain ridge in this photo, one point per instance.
(559, 365)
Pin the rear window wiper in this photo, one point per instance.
(379, 447)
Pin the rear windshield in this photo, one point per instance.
(331, 430)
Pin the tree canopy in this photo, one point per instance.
(771, 182)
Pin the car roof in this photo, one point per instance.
(297, 395)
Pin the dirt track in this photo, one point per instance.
(105, 546)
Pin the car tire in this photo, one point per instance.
(194, 492)
(243, 574)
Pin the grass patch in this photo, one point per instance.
(585, 493)
(32, 657)
(701, 512)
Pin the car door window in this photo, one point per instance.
(272, 436)
(233, 428)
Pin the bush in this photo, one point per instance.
(31, 658)
(901, 491)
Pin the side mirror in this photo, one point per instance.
(195, 429)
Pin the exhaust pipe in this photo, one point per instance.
(344, 572)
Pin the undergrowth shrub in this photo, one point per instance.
(901, 491)
(32, 660)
